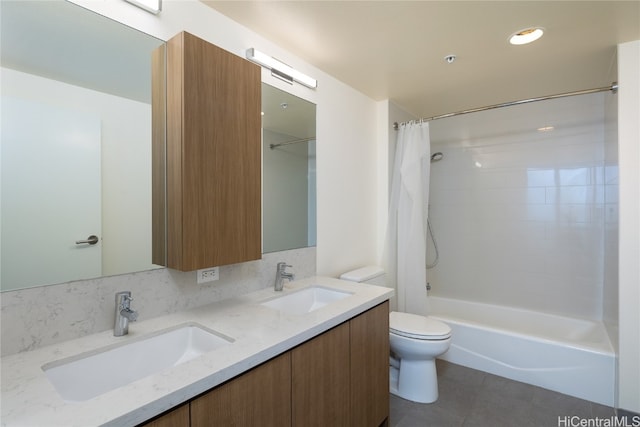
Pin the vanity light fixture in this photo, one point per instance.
(280, 69)
(152, 6)
(527, 35)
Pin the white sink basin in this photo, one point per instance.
(89, 375)
(305, 300)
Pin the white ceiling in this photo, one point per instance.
(395, 49)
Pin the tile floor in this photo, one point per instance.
(471, 398)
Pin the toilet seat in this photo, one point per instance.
(418, 327)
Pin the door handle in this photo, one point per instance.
(91, 240)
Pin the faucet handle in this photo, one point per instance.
(283, 265)
(132, 315)
(123, 299)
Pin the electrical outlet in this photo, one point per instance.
(208, 274)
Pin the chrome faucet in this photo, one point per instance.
(124, 314)
(281, 275)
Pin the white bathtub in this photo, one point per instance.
(567, 355)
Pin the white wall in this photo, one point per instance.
(629, 244)
(384, 170)
(346, 177)
(518, 213)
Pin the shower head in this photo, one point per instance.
(436, 157)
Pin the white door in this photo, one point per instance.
(50, 194)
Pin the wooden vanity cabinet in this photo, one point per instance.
(260, 397)
(178, 417)
(213, 156)
(369, 344)
(320, 374)
(339, 378)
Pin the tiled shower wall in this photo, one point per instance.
(518, 208)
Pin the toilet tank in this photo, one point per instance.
(372, 275)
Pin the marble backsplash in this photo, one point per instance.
(36, 317)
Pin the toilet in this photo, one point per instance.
(415, 342)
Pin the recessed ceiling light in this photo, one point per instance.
(527, 35)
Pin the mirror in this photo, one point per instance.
(75, 141)
(288, 171)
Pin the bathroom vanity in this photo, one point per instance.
(326, 366)
(337, 378)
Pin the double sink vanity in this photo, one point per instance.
(316, 351)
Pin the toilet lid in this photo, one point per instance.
(418, 327)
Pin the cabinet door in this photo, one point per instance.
(320, 380)
(178, 417)
(370, 367)
(213, 156)
(260, 397)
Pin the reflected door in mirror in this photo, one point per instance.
(51, 193)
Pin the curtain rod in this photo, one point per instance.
(613, 88)
(295, 141)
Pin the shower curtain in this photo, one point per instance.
(405, 243)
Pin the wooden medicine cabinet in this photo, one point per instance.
(213, 157)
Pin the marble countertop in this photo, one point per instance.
(260, 333)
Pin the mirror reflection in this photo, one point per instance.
(75, 138)
(288, 171)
